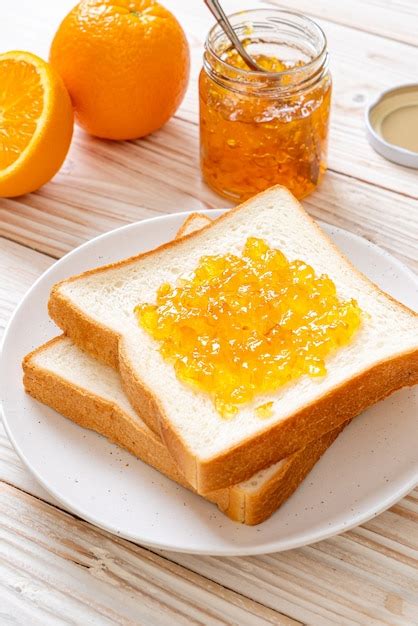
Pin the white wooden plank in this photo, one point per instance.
(361, 577)
(51, 224)
(387, 219)
(65, 569)
(392, 19)
(19, 268)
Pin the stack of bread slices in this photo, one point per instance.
(106, 372)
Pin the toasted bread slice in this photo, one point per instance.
(96, 310)
(89, 393)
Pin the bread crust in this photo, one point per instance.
(303, 427)
(190, 224)
(255, 507)
(100, 342)
(108, 419)
(274, 442)
(96, 413)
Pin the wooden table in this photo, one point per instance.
(55, 568)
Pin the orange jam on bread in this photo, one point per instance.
(244, 325)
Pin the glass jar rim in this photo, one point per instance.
(217, 31)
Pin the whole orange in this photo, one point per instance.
(125, 64)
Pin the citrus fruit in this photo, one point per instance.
(36, 123)
(125, 64)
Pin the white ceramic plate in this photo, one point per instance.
(371, 465)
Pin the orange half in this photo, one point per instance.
(36, 123)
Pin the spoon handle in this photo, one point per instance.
(219, 14)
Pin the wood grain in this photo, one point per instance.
(68, 569)
(394, 20)
(55, 568)
(49, 222)
(19, 268)
(354, 578)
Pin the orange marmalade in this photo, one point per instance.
(258, 129)
(240, 326)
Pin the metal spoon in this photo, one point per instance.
(220, 16)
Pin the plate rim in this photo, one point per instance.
(230, 550)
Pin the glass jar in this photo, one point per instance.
(258, 129)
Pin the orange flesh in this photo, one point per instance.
(249, 143)
(245, 325)
(21, 104)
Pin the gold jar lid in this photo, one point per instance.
(392, 125)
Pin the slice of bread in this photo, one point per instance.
(89, 393)
(70, 381)
(96, 310)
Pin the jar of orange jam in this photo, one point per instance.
(262, 128)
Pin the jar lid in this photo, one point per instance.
(392, 125)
